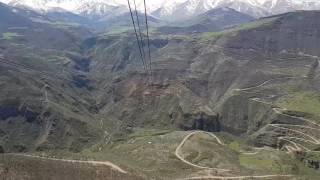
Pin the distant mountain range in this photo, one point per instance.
(213, 20)
(167, 9)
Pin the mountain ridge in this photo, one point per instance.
(169, 10)
(213, 20)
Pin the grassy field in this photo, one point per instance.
(306, 102)
(24, 168)
(150, 154)
(209, 36)
(267, 161)
(204, 150)
(10, 35)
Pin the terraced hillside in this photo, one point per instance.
(246, 98)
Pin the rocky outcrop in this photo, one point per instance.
(310, 159)
(201, 121)
(313, 164)
(234, 116)
(11, 111)
(259, 115)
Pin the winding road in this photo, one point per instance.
(264, 83)
(237, 177)
(306, 136)
(291, 147)
(177, 154)
(178, 150)
(104, 163)
(312, 139)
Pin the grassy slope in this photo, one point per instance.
(150, 154)
(17, 167)
(40, 59)
(209, 36)
(305, 102)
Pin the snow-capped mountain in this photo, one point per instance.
(281, 6)
(169, 9)
(98, 9)
(256, 8)
(191, 8)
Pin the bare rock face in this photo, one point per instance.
(234, 117)
(201, 121)
(11, 111)
(1, 150)
(314, 164)
(265, 139)
(311, 159)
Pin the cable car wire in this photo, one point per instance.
(135, 31)
(148, 39)
(140, 33)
